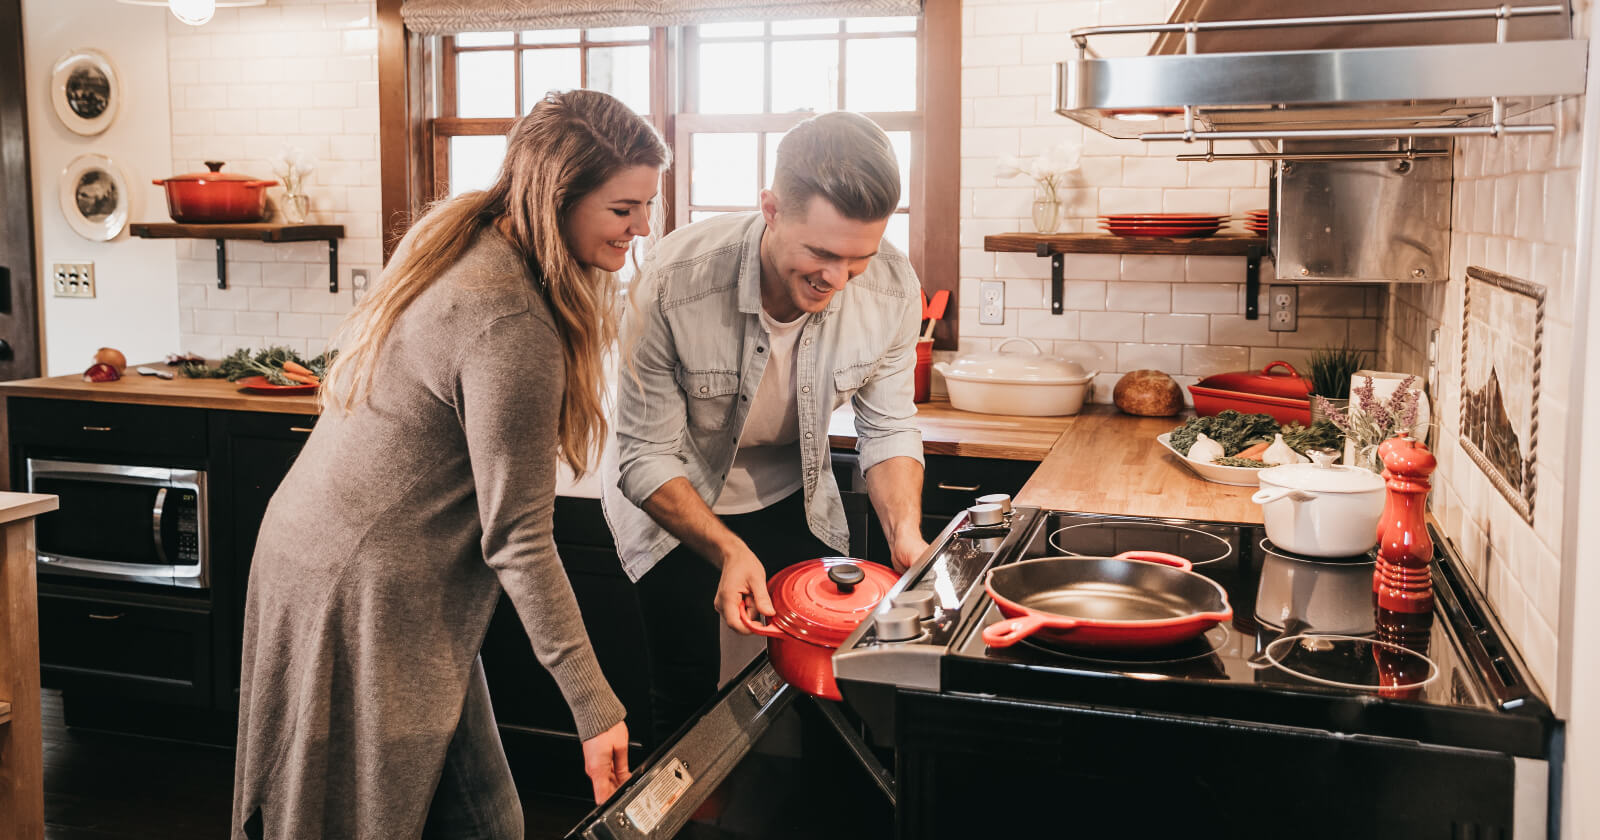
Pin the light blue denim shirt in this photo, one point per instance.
(692, 357)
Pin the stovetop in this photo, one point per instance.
(1319, 654)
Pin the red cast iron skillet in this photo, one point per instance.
(1136, 599)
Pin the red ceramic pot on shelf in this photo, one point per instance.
(819, 603)
(215, 197)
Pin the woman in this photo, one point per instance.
(428, 487)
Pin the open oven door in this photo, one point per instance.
(760, 760)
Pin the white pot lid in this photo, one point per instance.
(1000, 366)
(1318, 478)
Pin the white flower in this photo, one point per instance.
(292, 166)
(1049, 170)
(1007, 166)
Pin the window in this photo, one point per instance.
(742, 86)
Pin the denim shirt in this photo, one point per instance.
(692, 357)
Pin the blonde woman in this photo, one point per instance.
(427, 488)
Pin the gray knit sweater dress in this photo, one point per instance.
(384, 552)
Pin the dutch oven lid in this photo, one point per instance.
(1319, 478)
(216, 174)
(999, 366)
(821, 601)
(1290, 385)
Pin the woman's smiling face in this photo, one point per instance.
(601, 226)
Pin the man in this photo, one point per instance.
(744, 333)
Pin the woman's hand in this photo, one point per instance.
(605, 760)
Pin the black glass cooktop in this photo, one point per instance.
(1305, 641)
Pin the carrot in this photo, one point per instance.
(290, 366)
(301, 378)
(1254, 452)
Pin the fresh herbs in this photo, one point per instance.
(1234, 430)
(1234, 461)
(1319, 435)
(268, 363)
(1331, 369)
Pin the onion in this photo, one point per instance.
(113, 357)
(102, 372)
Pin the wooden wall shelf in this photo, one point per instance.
(257, 231)
(1054, 245)
(1101, 243)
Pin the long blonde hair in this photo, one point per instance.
(562, 150)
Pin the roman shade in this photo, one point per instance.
(447, 17)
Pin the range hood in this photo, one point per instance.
(1335, 69)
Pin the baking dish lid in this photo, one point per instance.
(1265, 382)
(1000, 366)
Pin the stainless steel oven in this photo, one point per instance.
(130, 523)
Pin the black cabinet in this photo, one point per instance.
(138, 648)
(950, 484)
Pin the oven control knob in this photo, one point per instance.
(921, 602)
(985, 515)
(898, 624)
(1001, 499)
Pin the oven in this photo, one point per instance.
(139, 524)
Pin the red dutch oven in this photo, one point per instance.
(1137, 599)
(215, 197)
(819, 603)
(1285, 396)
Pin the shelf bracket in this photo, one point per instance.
(1252, 282)
(1057, 267)
(222, 264)
(333, 266)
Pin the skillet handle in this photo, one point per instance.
(1157, 557)
(1012, 630)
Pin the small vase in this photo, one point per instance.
(295, 207)
(1366, 457)
(1317, 412)
(1045, 214)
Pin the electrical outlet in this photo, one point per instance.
(72, 280)
(358, 283)
(1283, 304)
(992, 302)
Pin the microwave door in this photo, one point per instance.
(118, 522)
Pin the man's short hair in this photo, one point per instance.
(843, 157)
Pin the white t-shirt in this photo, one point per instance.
(766, 469)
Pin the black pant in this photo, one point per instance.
(680, 617)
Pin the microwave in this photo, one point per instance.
(126, 523)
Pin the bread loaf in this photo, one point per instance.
(1148, 393)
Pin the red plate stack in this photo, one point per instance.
(1162, 224)
(1255, 221)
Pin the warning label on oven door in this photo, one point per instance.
(657, 795)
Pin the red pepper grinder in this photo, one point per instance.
(1402, 580)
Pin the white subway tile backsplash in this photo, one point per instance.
(1191, 200)
(1039, 324)
(1139, 297)
(1114, 327)
(1206, 360)
(1215, 269)
(1167, 358)
(1316, 333)
(1152, 269)
(1092, 266)
(1207, 298)
(1177, 329)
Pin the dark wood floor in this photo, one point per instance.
(104, 786)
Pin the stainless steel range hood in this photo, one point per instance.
(1336, 69)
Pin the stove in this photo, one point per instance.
(1387, 725)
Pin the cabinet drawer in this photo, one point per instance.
(951, 483)
(108, 427)
(132, 650)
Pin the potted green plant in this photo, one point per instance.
(1330, 370)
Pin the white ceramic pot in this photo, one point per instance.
(1033, 385)
(1321, 510)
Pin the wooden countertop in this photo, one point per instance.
(14, 506)
(149, 390)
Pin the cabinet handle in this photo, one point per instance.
(962, 488)
(99, 617)
(304, 429)
(97, 428)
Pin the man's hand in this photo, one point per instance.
(907, 550)
(743, 577)
(605, 760)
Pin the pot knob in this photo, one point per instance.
(985, 515)
(919, 602)
(1001, 499)
(846, 576)
(898, 624)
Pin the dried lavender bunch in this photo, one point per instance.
(1377, 420)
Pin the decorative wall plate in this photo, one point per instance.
(86, 91)
(94, 197)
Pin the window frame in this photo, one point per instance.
(411, 81)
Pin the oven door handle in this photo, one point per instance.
(157, 515)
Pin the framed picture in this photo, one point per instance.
(94, 197)
(1502, 341)
(86, 91)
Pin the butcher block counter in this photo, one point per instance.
(1099, 461)
(180, 391)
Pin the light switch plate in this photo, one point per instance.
(1283, 306)
(74, 280)
(992, 302)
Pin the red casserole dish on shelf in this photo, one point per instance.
(1285, 396)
